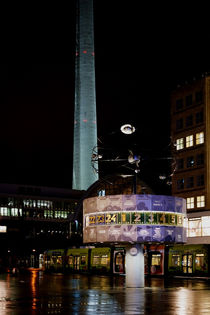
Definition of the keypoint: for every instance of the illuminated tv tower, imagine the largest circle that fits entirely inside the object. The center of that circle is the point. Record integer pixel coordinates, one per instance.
(85, 123)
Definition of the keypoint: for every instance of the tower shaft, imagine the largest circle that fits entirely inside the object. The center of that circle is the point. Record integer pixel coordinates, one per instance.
(85, 120)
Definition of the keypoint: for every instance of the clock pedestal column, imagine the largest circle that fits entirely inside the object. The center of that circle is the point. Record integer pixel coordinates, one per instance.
(135, 266)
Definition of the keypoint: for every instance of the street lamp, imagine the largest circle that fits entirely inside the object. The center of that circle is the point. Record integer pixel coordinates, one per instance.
(127, 129)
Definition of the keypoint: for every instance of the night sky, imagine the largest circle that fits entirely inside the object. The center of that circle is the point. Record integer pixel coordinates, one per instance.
(141, 53)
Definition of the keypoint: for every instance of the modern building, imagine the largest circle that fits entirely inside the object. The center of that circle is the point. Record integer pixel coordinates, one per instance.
(33, 219)
(85, 120)
(190, 132)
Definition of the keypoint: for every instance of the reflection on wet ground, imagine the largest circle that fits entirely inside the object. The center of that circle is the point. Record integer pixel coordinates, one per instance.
(38, 293)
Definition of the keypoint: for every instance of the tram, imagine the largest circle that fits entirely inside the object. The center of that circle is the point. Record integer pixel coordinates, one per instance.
(101, 260)
(159, 260)
(189, 260)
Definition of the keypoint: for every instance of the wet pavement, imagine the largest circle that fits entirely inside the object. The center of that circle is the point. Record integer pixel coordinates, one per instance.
(38, 293)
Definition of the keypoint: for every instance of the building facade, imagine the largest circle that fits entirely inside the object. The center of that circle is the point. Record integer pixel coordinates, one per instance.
(33, 219)
(190, 132)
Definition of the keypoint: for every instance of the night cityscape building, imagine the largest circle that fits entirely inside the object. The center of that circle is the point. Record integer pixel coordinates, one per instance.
(190, 132)
(34, 218)
(108, 258)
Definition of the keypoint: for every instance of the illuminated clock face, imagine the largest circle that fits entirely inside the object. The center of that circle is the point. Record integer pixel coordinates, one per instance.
(133, 251)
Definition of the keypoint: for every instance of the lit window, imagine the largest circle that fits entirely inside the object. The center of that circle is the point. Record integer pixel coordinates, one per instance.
(190, 203)
(4, 211)
(194, 227)
(200, 201)
(101, 193)
(10, 202)
(96, 260)
(175, 260)
(44, 204)
(199, 137)
(14, 212)
(48, 213)
(205, 225)
(105, 260)
(180, 143)
(71, 260)
(156, 260)
(189, 141)
(64, 214)
(3, 228)
(57, 214)
(199, 261)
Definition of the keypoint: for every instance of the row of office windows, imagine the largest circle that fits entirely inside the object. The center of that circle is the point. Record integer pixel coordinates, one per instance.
(189, 120)
(198, 226)
(199, 201)
(39, 204)
(189, 100)
(189, 141)
(190, 182)
(190, 161)
(17, 212)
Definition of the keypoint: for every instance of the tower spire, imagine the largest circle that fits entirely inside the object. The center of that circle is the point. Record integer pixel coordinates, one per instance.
(85, 120)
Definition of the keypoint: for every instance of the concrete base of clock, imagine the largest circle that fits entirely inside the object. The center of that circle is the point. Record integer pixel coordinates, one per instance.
(134, 266)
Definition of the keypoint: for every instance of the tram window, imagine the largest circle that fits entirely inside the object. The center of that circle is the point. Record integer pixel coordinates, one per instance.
(70, 260)
(119, 262)
(104, 260)
(76, 262)
(189, 264)
(59, 260)
(156, 260)
(199, 261)
(175, 260)
(46, 260)
(119, 259)
(83, 260)
(96, 260)
(54, 258)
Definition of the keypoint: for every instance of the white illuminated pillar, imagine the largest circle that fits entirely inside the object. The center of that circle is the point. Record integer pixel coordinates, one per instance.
(134, 266)
(85, 122)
